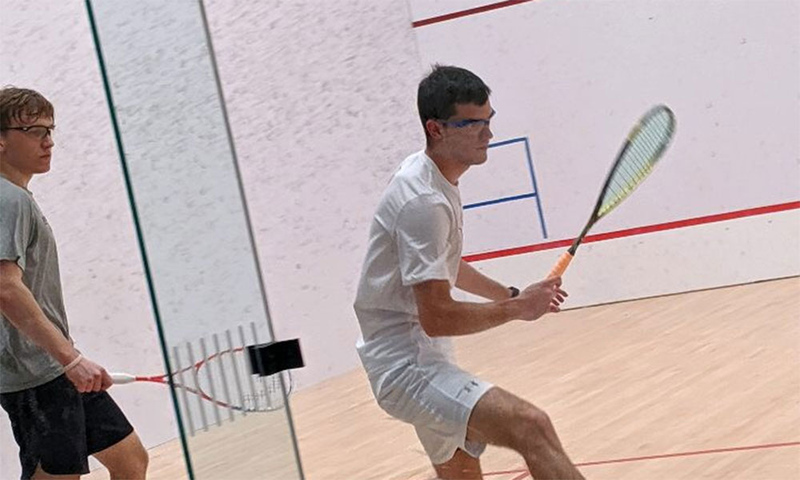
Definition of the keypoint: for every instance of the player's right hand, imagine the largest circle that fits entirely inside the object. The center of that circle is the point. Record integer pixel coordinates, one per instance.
(88, 376)
(541, 297)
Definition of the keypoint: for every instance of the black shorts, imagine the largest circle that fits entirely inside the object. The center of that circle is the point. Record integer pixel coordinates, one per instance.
(58, 427)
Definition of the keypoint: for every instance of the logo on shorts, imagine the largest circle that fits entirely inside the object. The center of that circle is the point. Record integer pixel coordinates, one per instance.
(467, 388)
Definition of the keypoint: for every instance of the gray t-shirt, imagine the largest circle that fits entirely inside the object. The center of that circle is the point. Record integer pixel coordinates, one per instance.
(26, 238)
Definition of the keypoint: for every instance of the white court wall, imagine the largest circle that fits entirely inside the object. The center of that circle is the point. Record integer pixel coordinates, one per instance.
(704, 256)
(321, 97)
(573, 76)
(321, 100)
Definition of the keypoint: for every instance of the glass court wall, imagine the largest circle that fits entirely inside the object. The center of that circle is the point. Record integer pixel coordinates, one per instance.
(183, 182)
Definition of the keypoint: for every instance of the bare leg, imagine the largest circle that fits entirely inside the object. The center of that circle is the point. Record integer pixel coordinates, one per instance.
(461, 467)
(126, 460)
(501, 418)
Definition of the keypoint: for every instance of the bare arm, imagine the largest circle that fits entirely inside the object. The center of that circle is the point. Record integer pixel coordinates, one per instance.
(472, 281)
(20, 308)
(441, 315)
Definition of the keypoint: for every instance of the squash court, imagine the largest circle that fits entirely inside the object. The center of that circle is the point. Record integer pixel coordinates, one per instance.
(696, 385)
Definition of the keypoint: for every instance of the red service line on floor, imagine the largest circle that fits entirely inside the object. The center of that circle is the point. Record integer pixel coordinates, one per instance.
(524, 472)
(720, 217)
(466, 13)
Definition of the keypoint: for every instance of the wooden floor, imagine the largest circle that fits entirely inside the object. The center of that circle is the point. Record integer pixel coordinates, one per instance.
(697, 385)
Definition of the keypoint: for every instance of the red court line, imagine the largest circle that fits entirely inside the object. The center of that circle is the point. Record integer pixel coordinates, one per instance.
(524, 473)
(719, 217)
(466, 13)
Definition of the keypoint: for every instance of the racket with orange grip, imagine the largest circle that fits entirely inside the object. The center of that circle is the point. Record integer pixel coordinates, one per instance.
(641, 151)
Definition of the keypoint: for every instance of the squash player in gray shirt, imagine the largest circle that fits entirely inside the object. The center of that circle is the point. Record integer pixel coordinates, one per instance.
(54, 396)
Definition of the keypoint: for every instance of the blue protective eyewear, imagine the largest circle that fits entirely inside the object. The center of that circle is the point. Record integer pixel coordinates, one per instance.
(469, 122)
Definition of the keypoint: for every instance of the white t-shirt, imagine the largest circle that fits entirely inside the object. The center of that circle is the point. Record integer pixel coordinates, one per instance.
(416, 235)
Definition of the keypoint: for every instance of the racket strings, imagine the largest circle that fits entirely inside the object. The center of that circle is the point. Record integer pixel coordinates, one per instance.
(242, 391)
(639, 157)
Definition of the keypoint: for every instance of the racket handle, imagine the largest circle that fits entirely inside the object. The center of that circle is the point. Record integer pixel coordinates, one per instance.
(561, 265)
(122, 378)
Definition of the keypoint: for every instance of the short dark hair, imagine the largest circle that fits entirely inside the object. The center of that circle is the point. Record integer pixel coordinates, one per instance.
(446, 86)
(22, 105)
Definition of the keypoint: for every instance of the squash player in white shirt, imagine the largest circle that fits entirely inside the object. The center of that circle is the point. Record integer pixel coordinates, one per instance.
(406, 311)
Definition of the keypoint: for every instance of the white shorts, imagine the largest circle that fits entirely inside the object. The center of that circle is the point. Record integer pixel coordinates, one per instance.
(438, 400)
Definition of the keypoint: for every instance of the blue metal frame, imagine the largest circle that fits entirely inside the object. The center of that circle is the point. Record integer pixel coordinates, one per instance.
(533, 194)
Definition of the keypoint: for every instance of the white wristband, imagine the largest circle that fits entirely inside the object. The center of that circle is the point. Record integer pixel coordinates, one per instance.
(73, 363)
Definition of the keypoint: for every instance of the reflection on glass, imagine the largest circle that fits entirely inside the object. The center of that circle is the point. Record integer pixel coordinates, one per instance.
(193, 227)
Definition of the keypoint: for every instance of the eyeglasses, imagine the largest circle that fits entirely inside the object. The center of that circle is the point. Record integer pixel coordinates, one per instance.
(469, 123)
(37, 131)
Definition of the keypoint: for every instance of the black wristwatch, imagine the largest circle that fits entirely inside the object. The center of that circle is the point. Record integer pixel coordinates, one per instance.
(514, 291)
